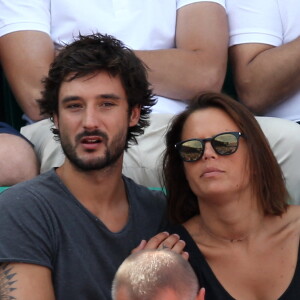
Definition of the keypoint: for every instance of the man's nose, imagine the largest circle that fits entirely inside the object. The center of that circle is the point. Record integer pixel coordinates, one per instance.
(90, 118)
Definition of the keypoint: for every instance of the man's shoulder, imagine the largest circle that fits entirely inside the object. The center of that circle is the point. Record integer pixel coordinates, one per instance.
(30, 188)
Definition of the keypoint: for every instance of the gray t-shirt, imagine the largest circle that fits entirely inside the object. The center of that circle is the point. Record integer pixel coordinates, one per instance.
(42, 223)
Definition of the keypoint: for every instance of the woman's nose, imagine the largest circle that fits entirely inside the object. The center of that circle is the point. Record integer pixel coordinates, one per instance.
(209, 151)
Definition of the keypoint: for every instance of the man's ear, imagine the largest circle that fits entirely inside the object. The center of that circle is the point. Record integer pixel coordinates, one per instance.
(134, 116)
(201, 294)
(55, 120)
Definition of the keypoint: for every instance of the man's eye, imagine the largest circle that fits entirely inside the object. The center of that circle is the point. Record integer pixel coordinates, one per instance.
(73, 106)
(107, 104)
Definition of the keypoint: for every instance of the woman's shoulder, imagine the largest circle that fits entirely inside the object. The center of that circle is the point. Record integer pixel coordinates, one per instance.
(286, 224)
(192, 224)
(292, 216)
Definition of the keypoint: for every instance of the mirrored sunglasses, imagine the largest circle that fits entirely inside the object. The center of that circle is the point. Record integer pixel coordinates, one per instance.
(224, 143)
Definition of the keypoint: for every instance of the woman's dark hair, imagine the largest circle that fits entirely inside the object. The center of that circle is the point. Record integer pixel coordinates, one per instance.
(94, 53)
(266, 177)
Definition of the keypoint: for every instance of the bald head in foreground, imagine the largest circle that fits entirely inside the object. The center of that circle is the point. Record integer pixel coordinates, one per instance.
(155, 275)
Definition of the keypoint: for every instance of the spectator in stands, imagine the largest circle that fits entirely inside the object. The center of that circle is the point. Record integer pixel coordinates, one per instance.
(156, 275)
(226, 188)
(265, 57)
(264, 49)
(18, 161)
(65, 231)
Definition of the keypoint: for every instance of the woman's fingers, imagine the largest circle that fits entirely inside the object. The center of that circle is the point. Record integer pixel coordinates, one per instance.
(178, 246)
(174, 244)
(172, 241)
(164, 240)
(141, 246)
(157, 241)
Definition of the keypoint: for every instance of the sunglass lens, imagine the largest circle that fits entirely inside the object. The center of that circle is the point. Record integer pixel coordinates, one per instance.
(225, 144)
(191, 150)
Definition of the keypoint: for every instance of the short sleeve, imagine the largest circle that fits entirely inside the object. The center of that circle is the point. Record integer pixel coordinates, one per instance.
(26, 229)
(18, 15)
(181, 3)
(254, 21)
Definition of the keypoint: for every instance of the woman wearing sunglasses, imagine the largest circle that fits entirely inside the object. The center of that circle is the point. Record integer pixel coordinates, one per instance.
(226, 189)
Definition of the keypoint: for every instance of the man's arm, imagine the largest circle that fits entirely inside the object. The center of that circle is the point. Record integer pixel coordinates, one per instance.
(265, 75)
(25, 57)
(198, 63)
(21, 281)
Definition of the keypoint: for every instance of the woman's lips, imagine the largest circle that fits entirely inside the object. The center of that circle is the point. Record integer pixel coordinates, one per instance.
(211, 172)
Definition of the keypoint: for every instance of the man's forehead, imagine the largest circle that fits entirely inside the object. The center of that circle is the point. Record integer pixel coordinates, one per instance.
(74, 75)
(101, 85)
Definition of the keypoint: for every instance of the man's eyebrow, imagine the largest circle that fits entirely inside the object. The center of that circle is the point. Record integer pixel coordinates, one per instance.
(108, 96)
(100, 96)
(70, 98)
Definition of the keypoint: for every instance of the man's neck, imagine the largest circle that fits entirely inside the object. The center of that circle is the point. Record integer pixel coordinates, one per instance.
(102, 192)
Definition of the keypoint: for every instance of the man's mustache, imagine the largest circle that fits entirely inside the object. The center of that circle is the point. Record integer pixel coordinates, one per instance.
(98, 133)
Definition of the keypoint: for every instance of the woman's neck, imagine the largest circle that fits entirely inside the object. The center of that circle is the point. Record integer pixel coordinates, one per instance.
(233, 222)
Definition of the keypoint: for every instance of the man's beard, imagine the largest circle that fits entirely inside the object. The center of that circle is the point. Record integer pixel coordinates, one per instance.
(110, 156)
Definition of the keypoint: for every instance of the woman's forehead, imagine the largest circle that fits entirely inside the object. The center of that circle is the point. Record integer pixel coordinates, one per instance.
(208, 122)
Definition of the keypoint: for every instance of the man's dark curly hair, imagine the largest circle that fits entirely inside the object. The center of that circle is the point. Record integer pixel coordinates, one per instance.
(91, 54)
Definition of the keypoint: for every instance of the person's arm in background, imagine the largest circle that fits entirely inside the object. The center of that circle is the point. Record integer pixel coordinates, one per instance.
(197, 64)
(21, 281)
(25, 57)
(266, 75)
(266, 72)
(199, 61)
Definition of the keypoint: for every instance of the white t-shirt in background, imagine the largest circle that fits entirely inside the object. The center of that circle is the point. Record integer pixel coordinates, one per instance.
(140, 24)
(272, 22)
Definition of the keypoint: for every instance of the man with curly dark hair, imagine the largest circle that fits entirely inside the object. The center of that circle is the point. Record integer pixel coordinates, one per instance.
(64, 233)
(89, 55)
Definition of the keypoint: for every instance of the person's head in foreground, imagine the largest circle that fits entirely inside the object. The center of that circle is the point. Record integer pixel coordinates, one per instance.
(216, 149)
(156, 275)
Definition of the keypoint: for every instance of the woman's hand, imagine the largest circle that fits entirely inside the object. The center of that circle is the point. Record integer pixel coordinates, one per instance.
(164, 240)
